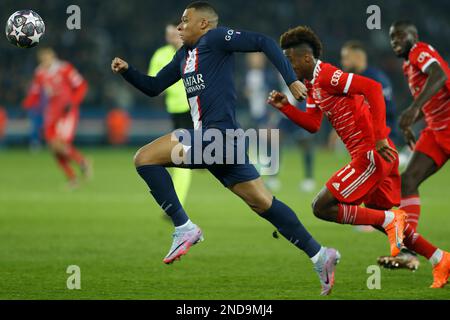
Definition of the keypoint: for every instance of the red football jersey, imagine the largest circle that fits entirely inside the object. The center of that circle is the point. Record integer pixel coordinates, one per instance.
(330, 93)
(61, 84)
(437, 109)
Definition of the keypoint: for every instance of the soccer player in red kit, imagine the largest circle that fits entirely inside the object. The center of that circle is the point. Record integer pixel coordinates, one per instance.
(428, 76)
(62, 89)
(355, 107)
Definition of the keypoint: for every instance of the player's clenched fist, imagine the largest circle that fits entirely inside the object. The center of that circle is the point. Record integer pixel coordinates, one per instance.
(298, 90)
(277, 99)
(118, 65)
(410, 138)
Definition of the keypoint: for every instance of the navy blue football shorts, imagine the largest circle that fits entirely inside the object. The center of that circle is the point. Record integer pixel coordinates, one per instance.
(222, 153)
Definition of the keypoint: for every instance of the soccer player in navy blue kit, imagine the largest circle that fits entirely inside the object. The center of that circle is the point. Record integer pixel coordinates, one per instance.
(205, 63)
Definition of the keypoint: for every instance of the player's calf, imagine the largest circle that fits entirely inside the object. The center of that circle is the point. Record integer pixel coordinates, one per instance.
(324, 207)
(409, 184)
(325, 213)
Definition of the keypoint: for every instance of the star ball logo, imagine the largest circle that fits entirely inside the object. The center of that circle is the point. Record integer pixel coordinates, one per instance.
(25, 28)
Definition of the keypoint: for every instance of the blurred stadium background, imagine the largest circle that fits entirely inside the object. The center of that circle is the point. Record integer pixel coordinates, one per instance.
(135, 29)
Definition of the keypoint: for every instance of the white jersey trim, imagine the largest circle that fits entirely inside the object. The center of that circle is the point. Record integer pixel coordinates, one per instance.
(348, 83)
(428, 63)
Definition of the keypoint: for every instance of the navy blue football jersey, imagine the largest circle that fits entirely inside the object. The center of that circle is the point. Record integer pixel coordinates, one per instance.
(207, 70)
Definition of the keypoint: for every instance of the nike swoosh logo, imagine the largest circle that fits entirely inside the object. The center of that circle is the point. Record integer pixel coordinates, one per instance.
(177, 247)
(328, 280)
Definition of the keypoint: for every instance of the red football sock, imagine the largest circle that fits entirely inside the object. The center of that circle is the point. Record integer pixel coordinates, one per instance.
(411, 205)
(350, 214)
(417, 243)
(64, 163)
(75, 155)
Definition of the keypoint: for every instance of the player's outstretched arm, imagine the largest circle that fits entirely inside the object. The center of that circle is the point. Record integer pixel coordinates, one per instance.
(435, 81)
(151, 86)
(349, 83)
(310, 120)
(119, 65)
(373, 91)
(246, 41)
(79, 93)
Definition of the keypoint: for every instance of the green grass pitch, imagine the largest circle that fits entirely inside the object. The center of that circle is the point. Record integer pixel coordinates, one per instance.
(113, 230)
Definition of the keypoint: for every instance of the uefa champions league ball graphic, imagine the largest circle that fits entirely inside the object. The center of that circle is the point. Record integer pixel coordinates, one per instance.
(24, 29)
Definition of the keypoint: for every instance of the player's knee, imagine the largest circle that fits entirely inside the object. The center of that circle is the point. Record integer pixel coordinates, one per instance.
(142, 158)
(137, 159)
(318, 209)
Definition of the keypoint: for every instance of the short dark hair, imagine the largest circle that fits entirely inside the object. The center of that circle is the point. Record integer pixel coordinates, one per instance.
(407, 24)
(355, 45)
(202, 5)
(403, 23)
(299, 36)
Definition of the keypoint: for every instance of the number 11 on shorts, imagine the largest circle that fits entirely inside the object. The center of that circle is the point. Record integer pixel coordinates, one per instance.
(348, 175)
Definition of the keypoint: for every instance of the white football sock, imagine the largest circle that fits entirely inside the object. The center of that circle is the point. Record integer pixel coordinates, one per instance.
(185, 227)
(388, 217)
(436, 257)
(317, 255)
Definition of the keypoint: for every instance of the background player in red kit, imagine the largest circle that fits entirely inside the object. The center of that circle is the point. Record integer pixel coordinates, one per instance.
(355, 107)
(63, 89)
(428, 77)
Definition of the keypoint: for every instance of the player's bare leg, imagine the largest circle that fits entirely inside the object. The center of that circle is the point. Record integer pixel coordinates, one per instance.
(327, 207)
(260, 200)
(405, 259)
(63, 160)
(65, 153)
(419, 169)
(150, 162)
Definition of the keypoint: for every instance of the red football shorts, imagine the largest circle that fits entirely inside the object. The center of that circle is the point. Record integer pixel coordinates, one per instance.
(434, 144)
(63, 127)
(368, 179)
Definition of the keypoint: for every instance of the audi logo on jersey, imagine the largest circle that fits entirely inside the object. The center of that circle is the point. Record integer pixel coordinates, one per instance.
(423, 55)
(335, 78)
